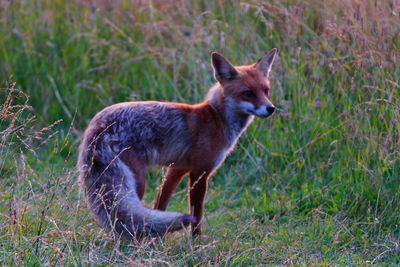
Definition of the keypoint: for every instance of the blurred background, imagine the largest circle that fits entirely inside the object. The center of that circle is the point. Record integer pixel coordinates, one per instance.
(315, 184)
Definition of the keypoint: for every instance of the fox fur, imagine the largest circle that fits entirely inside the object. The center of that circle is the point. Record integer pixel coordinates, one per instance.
(124, 140)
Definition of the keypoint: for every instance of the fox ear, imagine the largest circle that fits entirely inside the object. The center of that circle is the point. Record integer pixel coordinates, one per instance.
(264, 64)
(223, 69)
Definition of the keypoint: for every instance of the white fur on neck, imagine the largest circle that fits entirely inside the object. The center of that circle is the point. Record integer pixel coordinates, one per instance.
(214, 95)
(236, 120)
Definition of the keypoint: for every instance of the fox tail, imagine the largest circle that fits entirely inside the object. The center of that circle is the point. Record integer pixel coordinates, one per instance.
(111, 195)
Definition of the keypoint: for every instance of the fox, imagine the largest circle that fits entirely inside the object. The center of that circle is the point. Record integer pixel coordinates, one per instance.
(124, 140)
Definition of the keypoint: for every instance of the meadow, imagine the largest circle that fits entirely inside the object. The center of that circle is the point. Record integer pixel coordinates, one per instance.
(316, 184)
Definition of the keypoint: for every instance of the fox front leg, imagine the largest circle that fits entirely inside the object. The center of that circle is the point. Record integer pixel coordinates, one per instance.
(198, 185)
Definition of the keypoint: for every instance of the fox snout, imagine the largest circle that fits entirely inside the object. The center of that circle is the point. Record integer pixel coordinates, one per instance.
(263, 111)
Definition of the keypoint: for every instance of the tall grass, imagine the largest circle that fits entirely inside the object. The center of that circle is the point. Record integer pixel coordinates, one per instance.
(316, 184)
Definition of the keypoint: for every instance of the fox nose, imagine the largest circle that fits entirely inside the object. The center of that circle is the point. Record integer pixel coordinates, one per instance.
(270, 109)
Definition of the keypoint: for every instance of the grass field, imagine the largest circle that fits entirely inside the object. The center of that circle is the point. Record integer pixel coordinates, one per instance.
(317, 184)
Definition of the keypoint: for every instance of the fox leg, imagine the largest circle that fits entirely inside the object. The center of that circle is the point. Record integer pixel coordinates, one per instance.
(172, 179)
(138, 168)
(197, 190)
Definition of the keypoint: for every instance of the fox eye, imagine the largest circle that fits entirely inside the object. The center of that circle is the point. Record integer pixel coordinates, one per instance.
(248, 93)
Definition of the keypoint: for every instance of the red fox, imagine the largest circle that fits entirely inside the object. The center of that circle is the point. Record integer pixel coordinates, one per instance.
(123, 140)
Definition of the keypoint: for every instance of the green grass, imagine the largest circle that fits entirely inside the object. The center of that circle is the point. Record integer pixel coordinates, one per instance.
(317, 184)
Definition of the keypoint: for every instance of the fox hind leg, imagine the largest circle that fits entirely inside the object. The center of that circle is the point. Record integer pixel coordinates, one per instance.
(130, 158)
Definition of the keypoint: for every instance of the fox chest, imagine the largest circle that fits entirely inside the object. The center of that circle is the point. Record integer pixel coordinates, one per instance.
(219, 155)
(208, 156)
(220, 152)
(219, 158)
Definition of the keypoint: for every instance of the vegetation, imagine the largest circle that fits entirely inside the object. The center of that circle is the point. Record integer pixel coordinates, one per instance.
(315, 184)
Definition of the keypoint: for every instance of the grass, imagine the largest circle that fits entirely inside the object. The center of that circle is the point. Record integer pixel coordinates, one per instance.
(317, 184)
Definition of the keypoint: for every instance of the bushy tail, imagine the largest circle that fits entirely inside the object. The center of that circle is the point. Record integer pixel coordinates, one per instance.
(114, 203)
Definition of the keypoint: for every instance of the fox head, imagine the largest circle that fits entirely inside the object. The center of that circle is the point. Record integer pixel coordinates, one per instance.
(246, 87)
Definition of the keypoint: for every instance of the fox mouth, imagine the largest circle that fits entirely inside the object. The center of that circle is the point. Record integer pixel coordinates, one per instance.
(264, 116)
(252, 112)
